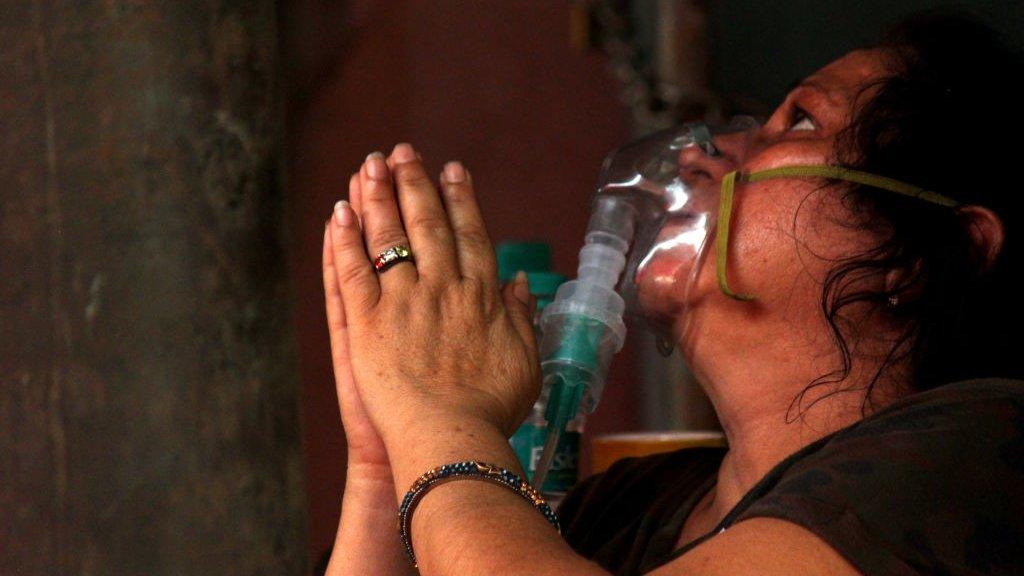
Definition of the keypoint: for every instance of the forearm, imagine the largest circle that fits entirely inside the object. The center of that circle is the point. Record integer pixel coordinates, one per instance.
(475, 527)
(367, 541)
(472, 526)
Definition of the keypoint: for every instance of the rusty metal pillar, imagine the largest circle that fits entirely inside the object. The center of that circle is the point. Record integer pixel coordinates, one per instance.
(148, 383)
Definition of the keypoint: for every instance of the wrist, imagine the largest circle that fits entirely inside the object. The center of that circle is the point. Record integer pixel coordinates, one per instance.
(368, 472)
(430, 441)
(366, 541)
(369, 488)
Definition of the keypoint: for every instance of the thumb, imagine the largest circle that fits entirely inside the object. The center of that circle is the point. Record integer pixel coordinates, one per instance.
(520, 305)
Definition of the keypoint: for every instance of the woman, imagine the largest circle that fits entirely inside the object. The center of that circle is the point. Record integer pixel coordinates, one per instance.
(861, 437)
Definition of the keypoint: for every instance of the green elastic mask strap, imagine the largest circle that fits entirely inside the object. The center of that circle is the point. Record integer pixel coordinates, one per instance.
(834, 172)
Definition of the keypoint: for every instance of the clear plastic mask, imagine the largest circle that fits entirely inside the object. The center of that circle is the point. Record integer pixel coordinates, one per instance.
(678, 186)
(672, 181)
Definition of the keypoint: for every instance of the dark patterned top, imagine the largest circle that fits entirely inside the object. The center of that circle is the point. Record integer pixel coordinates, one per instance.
(932, 484)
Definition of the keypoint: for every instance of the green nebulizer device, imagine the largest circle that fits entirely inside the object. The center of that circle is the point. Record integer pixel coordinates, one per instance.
(534, 258)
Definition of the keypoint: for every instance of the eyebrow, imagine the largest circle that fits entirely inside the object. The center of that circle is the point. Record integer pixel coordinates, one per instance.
(805, 83)
(821, 90)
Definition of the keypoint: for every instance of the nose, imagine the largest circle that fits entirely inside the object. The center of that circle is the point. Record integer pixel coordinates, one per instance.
(696, 166)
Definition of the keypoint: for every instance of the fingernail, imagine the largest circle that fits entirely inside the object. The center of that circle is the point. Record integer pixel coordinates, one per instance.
(375, 166)
(522, 287)
(454, 172)
(403, 153)
(343, 213)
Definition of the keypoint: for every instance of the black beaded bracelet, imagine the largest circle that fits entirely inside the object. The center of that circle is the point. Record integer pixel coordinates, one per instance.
(472, 470)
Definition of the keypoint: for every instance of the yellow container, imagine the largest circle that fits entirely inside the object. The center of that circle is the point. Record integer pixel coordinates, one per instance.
(608, 448)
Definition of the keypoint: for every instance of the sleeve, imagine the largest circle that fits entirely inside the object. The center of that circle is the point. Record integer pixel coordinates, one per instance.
(931, 486)
(597, 508)
(573, 503)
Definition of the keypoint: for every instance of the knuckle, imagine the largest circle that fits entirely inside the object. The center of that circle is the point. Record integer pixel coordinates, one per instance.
(489, 268)
(343, 249)
(474, 236)
(375, 205)
(387, 238)
(474, 287)
(482, 295)
(377, 198)
(352, 273)
(460, 193)
(430, 223)
(413, 178)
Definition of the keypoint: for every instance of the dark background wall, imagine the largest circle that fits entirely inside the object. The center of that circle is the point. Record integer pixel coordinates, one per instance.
(758, 48)
(148, 383)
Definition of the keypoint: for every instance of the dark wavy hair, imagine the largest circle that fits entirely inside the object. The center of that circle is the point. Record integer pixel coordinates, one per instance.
(946, 118)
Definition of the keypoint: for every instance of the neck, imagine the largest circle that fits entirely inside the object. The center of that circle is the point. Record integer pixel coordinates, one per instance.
(757, 446)
(764, 428)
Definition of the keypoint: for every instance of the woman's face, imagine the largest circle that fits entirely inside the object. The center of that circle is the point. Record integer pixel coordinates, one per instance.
(784, 231)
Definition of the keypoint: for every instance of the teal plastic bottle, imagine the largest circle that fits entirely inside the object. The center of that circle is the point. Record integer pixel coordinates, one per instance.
(534, 258)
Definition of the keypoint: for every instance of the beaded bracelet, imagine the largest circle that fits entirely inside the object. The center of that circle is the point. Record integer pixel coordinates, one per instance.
(473, 470)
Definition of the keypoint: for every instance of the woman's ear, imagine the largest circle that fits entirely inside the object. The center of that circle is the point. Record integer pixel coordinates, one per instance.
(987, 233)
(899, 281)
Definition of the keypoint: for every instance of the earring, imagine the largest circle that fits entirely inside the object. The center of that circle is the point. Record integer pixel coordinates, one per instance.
(894, 301)
(664, 346)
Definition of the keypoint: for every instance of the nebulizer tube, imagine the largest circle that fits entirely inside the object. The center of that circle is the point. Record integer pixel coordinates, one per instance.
(655, 206)
(583, 328)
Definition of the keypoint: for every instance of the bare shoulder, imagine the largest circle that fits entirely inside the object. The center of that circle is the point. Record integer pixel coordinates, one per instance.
(761, 546)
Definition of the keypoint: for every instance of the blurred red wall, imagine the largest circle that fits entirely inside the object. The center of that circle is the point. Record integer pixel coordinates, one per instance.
(494, 83)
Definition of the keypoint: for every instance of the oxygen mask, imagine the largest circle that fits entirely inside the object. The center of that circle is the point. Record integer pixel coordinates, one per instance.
(670, 182)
